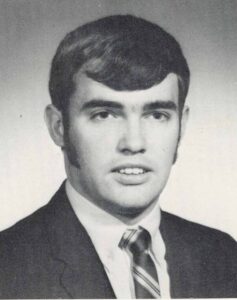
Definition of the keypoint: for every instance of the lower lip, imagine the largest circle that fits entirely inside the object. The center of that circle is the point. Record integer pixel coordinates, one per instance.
(132, 179)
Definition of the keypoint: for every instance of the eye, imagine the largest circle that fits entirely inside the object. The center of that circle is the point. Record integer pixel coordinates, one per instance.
(160, 116)
(102, 115)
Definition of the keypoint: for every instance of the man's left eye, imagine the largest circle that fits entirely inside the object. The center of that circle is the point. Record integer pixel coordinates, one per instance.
(161, 116)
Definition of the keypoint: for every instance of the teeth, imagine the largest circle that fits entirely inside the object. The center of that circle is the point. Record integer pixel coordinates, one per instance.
(131, 171)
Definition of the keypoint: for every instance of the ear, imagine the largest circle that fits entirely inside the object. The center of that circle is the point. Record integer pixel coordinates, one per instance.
(184, 120)
(54, 121)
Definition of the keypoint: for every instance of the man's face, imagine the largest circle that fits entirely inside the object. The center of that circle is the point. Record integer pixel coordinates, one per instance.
(120, 145)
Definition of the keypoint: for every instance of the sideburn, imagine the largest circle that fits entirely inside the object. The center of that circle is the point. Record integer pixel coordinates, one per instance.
(68, 147)
(179, 138)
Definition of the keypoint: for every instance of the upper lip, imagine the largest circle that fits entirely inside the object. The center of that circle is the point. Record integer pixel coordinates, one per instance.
(130, 165)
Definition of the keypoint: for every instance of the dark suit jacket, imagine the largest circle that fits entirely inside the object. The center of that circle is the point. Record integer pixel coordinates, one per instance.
(50, 255)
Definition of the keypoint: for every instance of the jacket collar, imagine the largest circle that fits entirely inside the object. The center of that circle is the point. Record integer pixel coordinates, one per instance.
(83, 274)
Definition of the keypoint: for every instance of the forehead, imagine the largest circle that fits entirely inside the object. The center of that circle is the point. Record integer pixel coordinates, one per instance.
(88, 89)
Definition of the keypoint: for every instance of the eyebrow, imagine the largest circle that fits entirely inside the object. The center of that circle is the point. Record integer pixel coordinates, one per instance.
(101, 103)
(158, 104)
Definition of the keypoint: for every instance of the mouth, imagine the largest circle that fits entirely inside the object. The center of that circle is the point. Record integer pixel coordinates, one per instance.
(131, 170)
(131, 174)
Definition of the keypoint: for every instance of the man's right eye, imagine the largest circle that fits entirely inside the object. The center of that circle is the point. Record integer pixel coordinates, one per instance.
(101, 115)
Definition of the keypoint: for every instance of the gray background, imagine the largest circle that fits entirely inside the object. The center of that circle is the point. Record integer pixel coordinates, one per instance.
(203, 185)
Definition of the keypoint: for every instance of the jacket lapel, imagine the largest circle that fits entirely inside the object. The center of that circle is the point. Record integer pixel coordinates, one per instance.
(83, 274)
(179, 257)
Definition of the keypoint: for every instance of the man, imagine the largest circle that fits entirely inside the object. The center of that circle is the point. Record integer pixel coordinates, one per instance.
(118, 87)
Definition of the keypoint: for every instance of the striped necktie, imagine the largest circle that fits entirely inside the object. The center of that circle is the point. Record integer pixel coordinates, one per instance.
(137, 244)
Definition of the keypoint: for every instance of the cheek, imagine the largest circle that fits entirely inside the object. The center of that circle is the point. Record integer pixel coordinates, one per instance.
(91, 151)
(164, 142)
(99, 142)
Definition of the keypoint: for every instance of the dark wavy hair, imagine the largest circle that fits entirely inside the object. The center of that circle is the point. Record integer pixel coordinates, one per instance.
(123, 52)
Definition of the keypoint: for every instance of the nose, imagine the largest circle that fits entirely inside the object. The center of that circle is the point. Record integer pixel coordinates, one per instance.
(132, 140)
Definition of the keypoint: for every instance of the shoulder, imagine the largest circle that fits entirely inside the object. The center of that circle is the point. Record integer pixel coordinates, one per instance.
(25, 236)
(29, 236)
(186, 227)
(24, 252)
(27, 264)
(201, 239)
(34, 226)
(202, 258)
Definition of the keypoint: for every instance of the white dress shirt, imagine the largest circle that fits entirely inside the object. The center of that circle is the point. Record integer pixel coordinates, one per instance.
(106, 232)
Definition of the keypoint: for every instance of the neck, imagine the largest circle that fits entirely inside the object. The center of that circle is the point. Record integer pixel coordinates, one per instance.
(137, 216)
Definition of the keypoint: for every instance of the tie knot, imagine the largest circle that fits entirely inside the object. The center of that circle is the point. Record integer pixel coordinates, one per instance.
(137, 241)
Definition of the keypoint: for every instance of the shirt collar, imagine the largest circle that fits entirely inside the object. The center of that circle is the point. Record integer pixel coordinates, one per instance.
(104, 229)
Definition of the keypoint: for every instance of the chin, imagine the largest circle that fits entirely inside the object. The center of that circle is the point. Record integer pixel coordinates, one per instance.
(131, 213)
(131, 205)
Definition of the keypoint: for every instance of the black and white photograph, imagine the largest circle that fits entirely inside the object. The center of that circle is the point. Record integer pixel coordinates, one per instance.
(118, 149)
